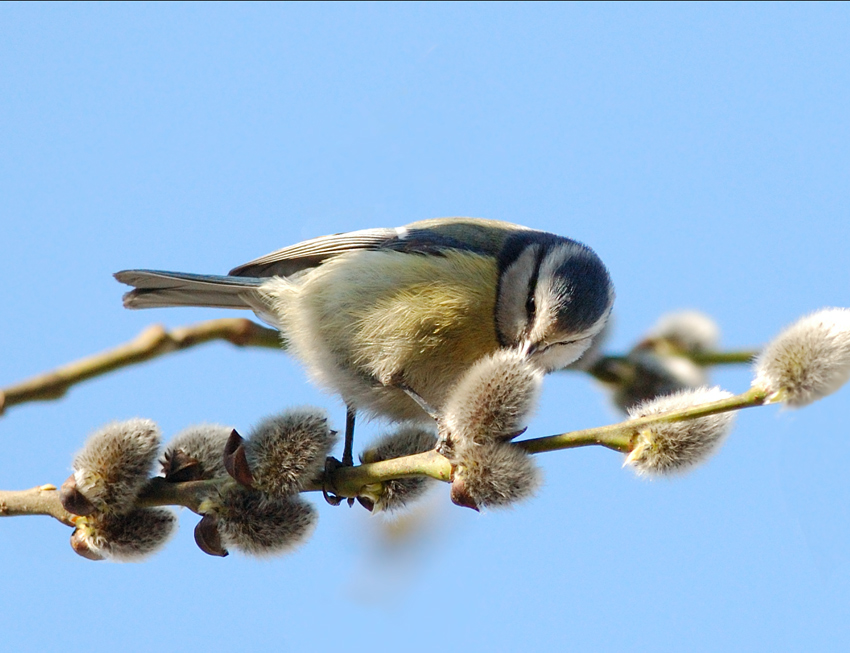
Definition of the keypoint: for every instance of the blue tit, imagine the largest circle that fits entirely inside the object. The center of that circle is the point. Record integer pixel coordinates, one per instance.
(378, 313)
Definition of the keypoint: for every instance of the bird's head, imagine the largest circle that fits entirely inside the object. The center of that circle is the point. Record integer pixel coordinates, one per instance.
(554, 296)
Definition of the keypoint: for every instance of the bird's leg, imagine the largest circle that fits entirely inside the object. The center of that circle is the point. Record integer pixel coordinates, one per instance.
(332, 463)
(424, 405)
(348, 448)
(444, 445)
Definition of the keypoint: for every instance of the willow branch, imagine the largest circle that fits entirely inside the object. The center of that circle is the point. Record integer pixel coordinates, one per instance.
(615, 369)
(41, 500)
(620, 437)
(707, 358)
(152, 342)
(350, 481)
(189, 494)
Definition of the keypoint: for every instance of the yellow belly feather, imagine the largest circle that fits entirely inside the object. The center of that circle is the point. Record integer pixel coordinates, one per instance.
(417, 318)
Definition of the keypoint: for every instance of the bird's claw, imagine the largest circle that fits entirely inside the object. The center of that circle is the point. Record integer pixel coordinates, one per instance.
(331, 464)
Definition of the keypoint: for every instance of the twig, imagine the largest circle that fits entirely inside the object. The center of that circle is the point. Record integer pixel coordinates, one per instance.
(349, 481)
(706, 358)
(619, 437)
(616, 369)
(152, 342)
(41, 500)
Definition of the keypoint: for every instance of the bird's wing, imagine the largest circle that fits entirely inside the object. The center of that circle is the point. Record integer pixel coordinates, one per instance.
(427, 236)
(309, 253)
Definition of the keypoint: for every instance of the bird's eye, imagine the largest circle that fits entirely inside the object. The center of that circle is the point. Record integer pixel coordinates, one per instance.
(543, 346)
(530, 306)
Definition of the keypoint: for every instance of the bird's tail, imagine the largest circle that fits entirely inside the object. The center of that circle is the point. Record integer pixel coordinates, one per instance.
(157, 289)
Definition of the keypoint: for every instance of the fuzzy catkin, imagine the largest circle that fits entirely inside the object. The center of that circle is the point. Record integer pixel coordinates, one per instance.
(808, 360)
(656, 375)
(670, 447)
(115, 464)
(688, 331)
(494, 475)
(493, 400)
(287, 451)
(261, 525)
(200, 446)
(124, 538)
(406, 441)
(488, 407)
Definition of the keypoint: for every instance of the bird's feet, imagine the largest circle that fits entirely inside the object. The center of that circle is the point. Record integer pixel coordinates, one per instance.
(332, 464)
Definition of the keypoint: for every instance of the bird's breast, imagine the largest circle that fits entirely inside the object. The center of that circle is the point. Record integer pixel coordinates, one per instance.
(390, 316)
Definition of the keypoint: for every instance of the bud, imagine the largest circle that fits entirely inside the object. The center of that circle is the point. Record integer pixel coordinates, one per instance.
(654, 375)
(113, 467)
(258, 524)
(493, 400)
(286, 452)
(808, 360)
(669, 447)
(488, 407)
(123, 538)
(208, 538)
(686, 331)
(493, 474)
(392, 495)
(196, 454)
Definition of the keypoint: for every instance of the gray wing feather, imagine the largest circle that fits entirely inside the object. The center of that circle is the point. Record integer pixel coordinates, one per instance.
(309, 253)
(416, 240)
(158, 289)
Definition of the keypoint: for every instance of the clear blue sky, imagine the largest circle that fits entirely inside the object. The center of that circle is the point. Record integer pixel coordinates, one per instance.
(702, 150)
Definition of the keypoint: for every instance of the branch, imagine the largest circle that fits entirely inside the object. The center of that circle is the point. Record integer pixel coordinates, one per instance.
(150, 343)
(350, 481)
(620, 437)
(41, 500)
(615, 369)
(706, 358)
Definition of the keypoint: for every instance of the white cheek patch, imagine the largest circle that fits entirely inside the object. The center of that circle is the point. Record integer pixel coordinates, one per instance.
(548, 295)
(511, 314)
(556, 357)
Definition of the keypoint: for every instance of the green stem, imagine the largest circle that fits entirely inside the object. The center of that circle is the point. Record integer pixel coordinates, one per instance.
(615, 370)
(723, 357)
(349, 481)
(189, 494)
(619, 437)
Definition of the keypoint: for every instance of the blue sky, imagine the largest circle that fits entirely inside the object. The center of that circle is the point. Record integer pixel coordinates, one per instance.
(701, 150)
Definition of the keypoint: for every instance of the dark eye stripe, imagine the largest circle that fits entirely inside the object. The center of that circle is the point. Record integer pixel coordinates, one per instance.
(530, 303)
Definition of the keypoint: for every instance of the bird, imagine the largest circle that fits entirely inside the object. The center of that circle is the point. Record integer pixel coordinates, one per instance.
(390, 318)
